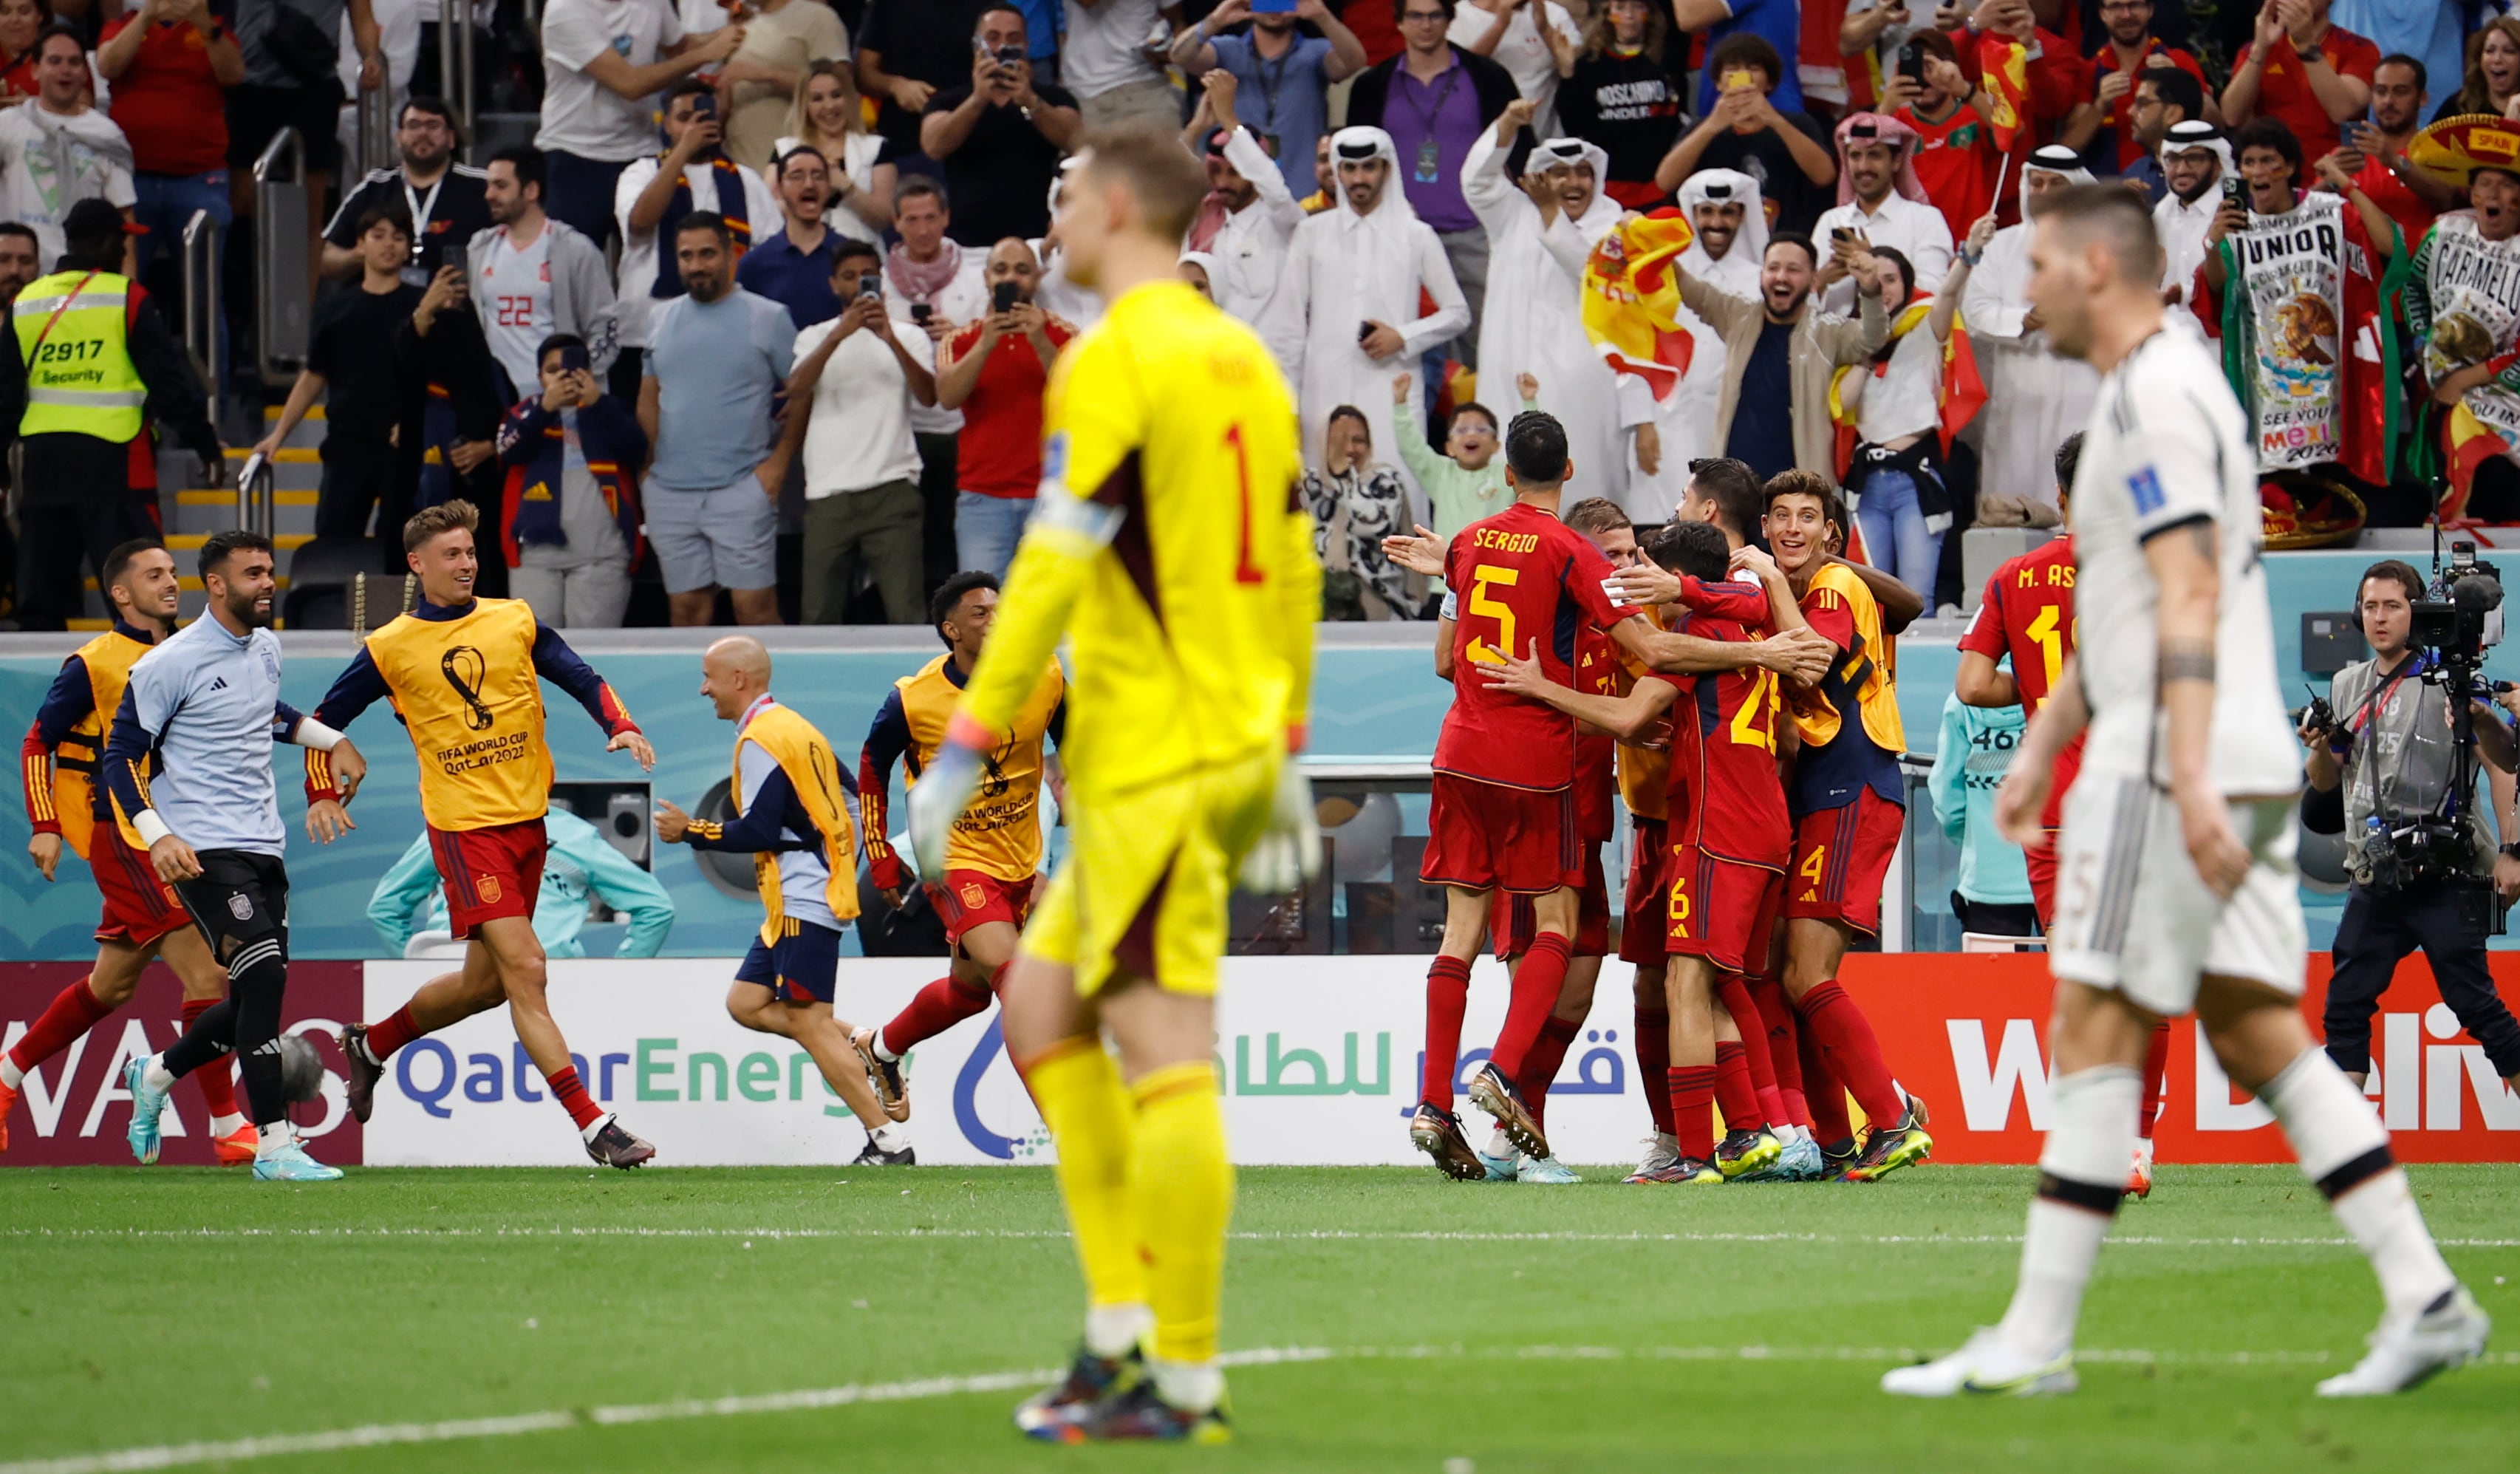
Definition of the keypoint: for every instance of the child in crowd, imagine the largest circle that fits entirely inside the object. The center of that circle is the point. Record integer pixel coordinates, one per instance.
(1466, 482)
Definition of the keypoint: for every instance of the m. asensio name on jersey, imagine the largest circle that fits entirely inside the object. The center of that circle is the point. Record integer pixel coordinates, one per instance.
(485, 754)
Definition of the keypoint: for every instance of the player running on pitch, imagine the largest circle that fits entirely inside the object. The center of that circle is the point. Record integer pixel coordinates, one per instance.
(2177, 855)
(1171, 546)
(791, 804)
(463, 674)
(990, 864)
(2027, 615)
(65, 804)
(188, 764)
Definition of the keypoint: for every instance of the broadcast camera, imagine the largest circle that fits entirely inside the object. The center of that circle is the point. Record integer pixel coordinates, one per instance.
(2453, 628)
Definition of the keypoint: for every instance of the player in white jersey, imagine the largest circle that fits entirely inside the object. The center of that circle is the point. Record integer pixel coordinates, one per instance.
(2183, 816)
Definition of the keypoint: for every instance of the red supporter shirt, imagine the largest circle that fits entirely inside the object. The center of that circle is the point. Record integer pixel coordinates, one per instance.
(2394, 200)
(1597, 672)
(167, 102)
(999, 453)
(1724, 796)
(1522, 577)
(2283, 92)
(1955, 163)
(2028, 613)
(2122, 111)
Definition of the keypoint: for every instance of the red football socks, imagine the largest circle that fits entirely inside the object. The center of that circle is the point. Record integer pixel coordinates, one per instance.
(218, 1084)
(1540, 1066)
(938, 1007)
(1854, 1054)
(1535, 997)
(1692, 1113)
(392, 1034)
(1784, 1047)
(573, 1099)
(72, 1012)
(1734, 1095)
(1824, 1094)
(2156, 1062)
(1734, 991)
(1653, 1065)
(1448, 998)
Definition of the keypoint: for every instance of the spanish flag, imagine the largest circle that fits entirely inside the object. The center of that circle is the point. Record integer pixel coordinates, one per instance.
(2004, 70)
(1631, 299)
(2468, 443)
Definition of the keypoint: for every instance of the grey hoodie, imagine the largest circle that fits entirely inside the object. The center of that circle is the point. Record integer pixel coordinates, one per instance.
(582, 298)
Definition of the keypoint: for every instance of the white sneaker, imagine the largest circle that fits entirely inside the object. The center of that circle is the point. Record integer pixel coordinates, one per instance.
(2452, 1333)
(1986, 1364)
(1662, 1151)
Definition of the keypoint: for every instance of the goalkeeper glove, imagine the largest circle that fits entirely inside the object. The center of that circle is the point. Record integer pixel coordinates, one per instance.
(943, 790)
(1288, 853)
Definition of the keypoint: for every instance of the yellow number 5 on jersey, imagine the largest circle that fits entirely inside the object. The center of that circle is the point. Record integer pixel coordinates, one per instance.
(1485, 574)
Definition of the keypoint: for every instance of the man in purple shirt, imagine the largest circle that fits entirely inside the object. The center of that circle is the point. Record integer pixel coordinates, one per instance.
(1434, 99)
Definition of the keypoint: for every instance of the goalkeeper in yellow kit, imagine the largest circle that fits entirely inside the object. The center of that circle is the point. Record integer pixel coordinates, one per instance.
(1170, 545)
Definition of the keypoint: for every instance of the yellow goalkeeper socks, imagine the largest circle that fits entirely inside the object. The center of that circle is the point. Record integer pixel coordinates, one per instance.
(1185, 1195)
(1086, 1109)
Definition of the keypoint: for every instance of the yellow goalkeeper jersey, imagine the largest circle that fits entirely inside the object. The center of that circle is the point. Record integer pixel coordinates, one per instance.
(1170, 543)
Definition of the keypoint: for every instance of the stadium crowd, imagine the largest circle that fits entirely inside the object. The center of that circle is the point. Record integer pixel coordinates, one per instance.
(767, 304)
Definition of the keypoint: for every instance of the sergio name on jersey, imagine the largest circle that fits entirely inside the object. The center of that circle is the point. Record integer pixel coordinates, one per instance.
(1522, 576)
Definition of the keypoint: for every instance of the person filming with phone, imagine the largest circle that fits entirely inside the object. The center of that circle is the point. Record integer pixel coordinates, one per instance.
(570, 451)
(994, 371)
(2384, 766)
(693, 174)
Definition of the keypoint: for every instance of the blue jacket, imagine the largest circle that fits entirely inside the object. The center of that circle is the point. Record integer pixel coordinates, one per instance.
(532, 447)
(1971, 760)
(581, 862)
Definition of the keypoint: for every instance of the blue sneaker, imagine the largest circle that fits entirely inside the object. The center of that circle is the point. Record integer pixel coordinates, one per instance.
(1499, 1169)
(290, 1163)
(1546, 1171)
(147, 1106)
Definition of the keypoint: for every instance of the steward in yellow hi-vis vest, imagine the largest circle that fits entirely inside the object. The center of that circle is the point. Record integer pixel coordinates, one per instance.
(67, 740)
(792, 805)
(87, 365)
(466, 683)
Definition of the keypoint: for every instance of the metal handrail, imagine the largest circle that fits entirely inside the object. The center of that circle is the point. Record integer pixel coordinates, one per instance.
(376, 148)
(201, 308)
(455, 63)
(284, 145)
(257, 499)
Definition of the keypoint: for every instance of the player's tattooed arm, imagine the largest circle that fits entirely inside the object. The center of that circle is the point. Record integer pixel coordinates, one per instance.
(2187, 659)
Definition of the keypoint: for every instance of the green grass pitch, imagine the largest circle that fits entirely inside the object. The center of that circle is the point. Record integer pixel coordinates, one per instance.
(1416, 1324)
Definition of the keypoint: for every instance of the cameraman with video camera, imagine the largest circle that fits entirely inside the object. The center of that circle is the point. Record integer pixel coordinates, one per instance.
(2385, 767)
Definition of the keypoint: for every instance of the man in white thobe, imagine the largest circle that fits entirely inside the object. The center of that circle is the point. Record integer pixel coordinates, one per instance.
(1344, 320)
(1534, 319)
(1260, 218)
(1880, 199)
(2034, 398)
(2195, 158)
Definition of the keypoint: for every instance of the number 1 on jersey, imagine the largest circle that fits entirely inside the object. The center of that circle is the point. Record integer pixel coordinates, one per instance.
(1245, 571)
(2046, 629)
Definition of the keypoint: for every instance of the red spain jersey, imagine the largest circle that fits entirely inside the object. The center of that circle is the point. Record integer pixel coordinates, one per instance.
(1724, 796)
(2027, 615)
(1597, 673)
(1524, 578)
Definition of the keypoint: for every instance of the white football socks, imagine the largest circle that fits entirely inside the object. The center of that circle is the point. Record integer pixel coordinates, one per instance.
(11, 1077)
(277, 1137)
(2345, 1149)
(2082, 1170)
(1191, 1386)
(882, 1052)
(155, 1075)
(1111, 1331)
(227, 1126)
(890, 1135)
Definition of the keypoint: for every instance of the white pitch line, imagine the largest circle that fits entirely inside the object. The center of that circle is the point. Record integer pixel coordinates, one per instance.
(1256, 1235)
(380, 1434)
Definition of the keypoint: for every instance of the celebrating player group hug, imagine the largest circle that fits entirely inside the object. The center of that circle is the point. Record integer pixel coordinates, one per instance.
(1740, 702)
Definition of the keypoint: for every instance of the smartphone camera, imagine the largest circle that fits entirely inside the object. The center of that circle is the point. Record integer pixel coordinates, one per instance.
(920, 312)
(705, 107)
(2235, 191)
(1841, 232)
(573, 359)
(1911, 63)
(1010, 56)
(871, 286)
(1002, 297)
(1364, 330)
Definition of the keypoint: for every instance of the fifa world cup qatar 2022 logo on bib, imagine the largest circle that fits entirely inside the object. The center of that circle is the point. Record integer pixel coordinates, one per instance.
(465, 670)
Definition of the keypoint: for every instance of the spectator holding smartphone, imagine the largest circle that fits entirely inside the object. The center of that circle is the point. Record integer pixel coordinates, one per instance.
(994, 371)
(1786, 151)
(1000, 137)
(571, 453)
(2374, 152)
(602, 61)
(653, 197)
(859, 377)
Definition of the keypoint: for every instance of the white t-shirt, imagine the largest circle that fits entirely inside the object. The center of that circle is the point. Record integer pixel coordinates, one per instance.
(515, 297)
(49, 163)
(581, 116)
(2168, 445)
(859, 435)
(638, 271)
(1105, 45)
(1903, 399)
(1523, 53)
(965, 299)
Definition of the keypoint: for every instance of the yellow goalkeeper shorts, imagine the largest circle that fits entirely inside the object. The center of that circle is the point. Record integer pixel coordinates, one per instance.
(1144, 888)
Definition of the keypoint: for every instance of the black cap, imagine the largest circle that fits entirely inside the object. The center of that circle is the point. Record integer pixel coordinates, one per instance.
(94, 220)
